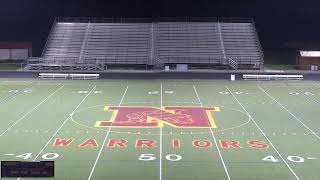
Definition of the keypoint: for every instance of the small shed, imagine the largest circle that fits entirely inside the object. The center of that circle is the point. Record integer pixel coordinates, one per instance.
(308, 60)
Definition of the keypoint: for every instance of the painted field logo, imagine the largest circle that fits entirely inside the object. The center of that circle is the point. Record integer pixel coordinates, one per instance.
(178, 117)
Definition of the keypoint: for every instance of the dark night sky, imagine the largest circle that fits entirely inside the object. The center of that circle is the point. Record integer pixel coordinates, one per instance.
(277, 21)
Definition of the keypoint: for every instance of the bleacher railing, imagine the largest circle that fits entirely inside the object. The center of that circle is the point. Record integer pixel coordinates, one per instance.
(51, 29)
(159, 19)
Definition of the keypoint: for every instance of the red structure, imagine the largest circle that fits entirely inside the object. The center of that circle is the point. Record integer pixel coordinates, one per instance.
(308, 60)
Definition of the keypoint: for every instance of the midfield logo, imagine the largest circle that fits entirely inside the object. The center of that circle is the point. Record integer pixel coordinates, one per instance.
(151, 117)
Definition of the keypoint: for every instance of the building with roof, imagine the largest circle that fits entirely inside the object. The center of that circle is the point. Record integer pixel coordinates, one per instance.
(13, 51)
(308, 59)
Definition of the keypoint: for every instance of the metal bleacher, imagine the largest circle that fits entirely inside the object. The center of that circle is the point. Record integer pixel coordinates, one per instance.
(188, 42)
(94, 44)
(118, 43)
(64, 43)
(241, 43)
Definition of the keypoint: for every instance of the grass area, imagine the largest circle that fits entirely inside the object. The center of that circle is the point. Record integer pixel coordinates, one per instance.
(165, 129)
(9, 66)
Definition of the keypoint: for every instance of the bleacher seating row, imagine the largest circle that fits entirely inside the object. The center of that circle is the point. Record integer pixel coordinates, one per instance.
(152, 43)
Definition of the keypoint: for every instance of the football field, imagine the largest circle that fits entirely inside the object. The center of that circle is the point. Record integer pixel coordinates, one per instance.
(163, 129)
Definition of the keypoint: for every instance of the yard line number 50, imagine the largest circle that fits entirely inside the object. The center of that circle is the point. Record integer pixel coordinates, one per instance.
(152, 157)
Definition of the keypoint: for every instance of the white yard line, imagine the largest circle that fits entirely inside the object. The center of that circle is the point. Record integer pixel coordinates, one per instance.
(214, 138)
(64, 122)
(303, 93)
(252, 119)
(29, 112)
(14, 94)
(286, 109)
(160, 144)
(105, 139)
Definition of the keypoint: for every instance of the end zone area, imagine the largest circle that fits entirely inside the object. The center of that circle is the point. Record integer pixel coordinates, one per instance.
(163, 129)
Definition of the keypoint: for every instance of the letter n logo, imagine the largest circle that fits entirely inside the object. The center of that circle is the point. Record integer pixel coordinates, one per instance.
(150, 117)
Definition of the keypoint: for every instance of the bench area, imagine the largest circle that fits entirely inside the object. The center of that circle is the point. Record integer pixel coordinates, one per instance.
(53, 76)
(84, 76)
(68, 76)
(272, 77)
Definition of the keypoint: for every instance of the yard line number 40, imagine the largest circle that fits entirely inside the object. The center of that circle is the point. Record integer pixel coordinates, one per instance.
(47, 156)
(295, 159)
(175, 157)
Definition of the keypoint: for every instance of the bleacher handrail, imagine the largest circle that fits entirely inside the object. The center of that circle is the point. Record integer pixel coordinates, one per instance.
(158, 19)
(51, 29)
(258, 41)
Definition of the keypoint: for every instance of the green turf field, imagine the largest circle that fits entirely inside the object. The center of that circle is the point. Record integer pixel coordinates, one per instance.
(164, 129)
(10, 66)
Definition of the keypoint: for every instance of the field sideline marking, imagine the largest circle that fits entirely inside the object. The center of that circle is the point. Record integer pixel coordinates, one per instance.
(264, 134)
(33, 109)
(160, 158)
(105, 139)
(64, 122)
(214, 137)
(295, 117)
